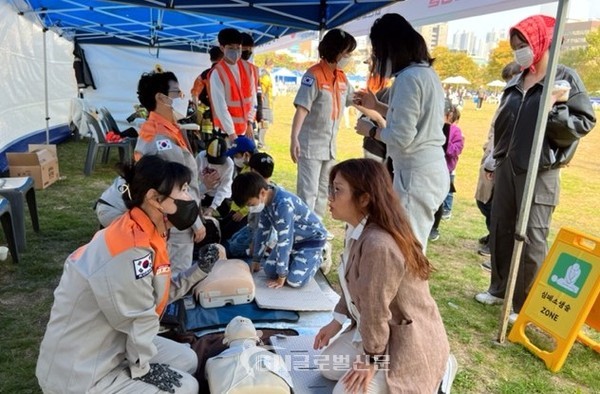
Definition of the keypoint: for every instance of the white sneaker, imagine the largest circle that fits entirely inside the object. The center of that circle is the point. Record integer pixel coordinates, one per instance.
(512, 318)
(327, 261)
(451, 368)
(488, 299)
(330, 236)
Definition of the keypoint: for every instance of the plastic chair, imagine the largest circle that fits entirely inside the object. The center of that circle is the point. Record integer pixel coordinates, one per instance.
(17, 191)
(8, 228)
(111, 124)
(109, 120)
(98, 141)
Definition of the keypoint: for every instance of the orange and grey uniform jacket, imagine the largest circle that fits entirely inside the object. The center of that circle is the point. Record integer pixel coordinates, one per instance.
(232, 92)
(324, 93)
(107, 306)
(161, 137)
(199, 85)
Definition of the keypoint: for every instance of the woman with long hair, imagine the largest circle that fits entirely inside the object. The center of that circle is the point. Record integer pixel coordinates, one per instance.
(397, 341)
(414, 119)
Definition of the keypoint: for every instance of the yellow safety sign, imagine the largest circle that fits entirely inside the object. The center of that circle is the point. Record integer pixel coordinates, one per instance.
(564, 297)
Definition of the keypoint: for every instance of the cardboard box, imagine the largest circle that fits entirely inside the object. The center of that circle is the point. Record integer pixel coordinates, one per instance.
(40, 163)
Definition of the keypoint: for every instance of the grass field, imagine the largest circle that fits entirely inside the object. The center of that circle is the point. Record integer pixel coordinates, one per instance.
(67, 221)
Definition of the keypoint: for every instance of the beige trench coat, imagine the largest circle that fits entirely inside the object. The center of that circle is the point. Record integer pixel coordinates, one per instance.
(397, 313)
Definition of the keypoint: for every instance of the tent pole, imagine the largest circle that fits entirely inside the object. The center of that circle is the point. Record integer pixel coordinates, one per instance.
(46, 88)
(534, 159)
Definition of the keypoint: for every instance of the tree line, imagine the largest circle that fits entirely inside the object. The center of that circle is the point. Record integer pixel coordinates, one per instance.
(450, 63)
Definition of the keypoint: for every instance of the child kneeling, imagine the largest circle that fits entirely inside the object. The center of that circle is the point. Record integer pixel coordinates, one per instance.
(300, 234)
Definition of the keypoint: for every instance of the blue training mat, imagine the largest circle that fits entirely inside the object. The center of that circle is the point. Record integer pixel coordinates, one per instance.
(199, 318)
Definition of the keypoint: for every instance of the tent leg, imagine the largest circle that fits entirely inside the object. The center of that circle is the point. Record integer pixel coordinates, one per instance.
(46, 87)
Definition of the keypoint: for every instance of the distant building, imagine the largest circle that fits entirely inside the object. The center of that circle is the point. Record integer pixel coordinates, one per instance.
(434, 35)
(575, 32)
(466, 41)
(491, 42)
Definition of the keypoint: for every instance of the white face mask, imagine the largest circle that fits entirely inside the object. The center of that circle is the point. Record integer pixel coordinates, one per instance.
(239, 162)
(180, 106)
(256, 208)
(233, 55)
(343, 62)
(524, 57)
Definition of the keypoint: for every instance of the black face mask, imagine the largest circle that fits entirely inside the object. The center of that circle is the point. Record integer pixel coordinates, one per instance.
(246, 54)
(186, 214)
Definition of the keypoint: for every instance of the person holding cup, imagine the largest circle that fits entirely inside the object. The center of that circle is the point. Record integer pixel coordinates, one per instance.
(570, 117)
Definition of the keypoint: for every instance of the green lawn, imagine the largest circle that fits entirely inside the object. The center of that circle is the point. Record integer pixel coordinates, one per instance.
(67, 221)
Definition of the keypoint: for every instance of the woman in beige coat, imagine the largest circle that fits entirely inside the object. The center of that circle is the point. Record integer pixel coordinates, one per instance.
(396, 342)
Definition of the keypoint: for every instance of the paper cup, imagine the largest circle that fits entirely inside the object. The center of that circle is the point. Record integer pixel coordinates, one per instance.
(563, 87)
(3, 253)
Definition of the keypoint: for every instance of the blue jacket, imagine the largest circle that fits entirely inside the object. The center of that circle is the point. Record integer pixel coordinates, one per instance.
(296, 227)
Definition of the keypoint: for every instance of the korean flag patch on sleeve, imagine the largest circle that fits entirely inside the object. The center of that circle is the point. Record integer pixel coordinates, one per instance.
(163, 145)
(308, 80)
(142, 266)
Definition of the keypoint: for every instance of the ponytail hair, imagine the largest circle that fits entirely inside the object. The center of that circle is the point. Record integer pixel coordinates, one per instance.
(150, 172)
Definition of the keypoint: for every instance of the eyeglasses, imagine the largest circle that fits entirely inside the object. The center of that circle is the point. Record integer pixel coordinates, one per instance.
(179, 92)
(332, 191)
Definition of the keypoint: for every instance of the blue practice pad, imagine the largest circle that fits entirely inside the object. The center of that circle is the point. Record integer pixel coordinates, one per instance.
(198, 318)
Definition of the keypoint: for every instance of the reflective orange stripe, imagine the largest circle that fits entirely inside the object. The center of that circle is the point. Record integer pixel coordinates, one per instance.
(158, 125)
(333, 81)
(135, 225)
(239, 100)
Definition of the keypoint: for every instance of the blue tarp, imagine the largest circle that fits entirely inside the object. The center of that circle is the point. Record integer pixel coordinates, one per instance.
(284, 75)
(190, 25)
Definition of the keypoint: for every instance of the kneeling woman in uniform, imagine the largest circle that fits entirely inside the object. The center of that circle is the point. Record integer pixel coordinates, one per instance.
(102, 333)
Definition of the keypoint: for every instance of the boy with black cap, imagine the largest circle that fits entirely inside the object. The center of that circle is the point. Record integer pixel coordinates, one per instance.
(240, 152)
(240, 245)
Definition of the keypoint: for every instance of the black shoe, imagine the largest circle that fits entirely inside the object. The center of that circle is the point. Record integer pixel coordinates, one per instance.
(434, 235)
(484, 251)
(487, 265)
(484, 240)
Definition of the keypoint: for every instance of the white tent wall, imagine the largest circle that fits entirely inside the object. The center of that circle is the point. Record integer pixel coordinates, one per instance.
(22, 103)
(117, 70)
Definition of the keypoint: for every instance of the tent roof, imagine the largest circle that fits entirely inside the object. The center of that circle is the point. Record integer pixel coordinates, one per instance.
(188, 24)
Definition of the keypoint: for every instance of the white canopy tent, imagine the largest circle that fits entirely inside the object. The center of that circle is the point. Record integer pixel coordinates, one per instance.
(496, 83)
(456, 80)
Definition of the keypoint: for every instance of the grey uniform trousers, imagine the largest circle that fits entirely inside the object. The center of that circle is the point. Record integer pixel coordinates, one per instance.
(313, 183)
(506, 204)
